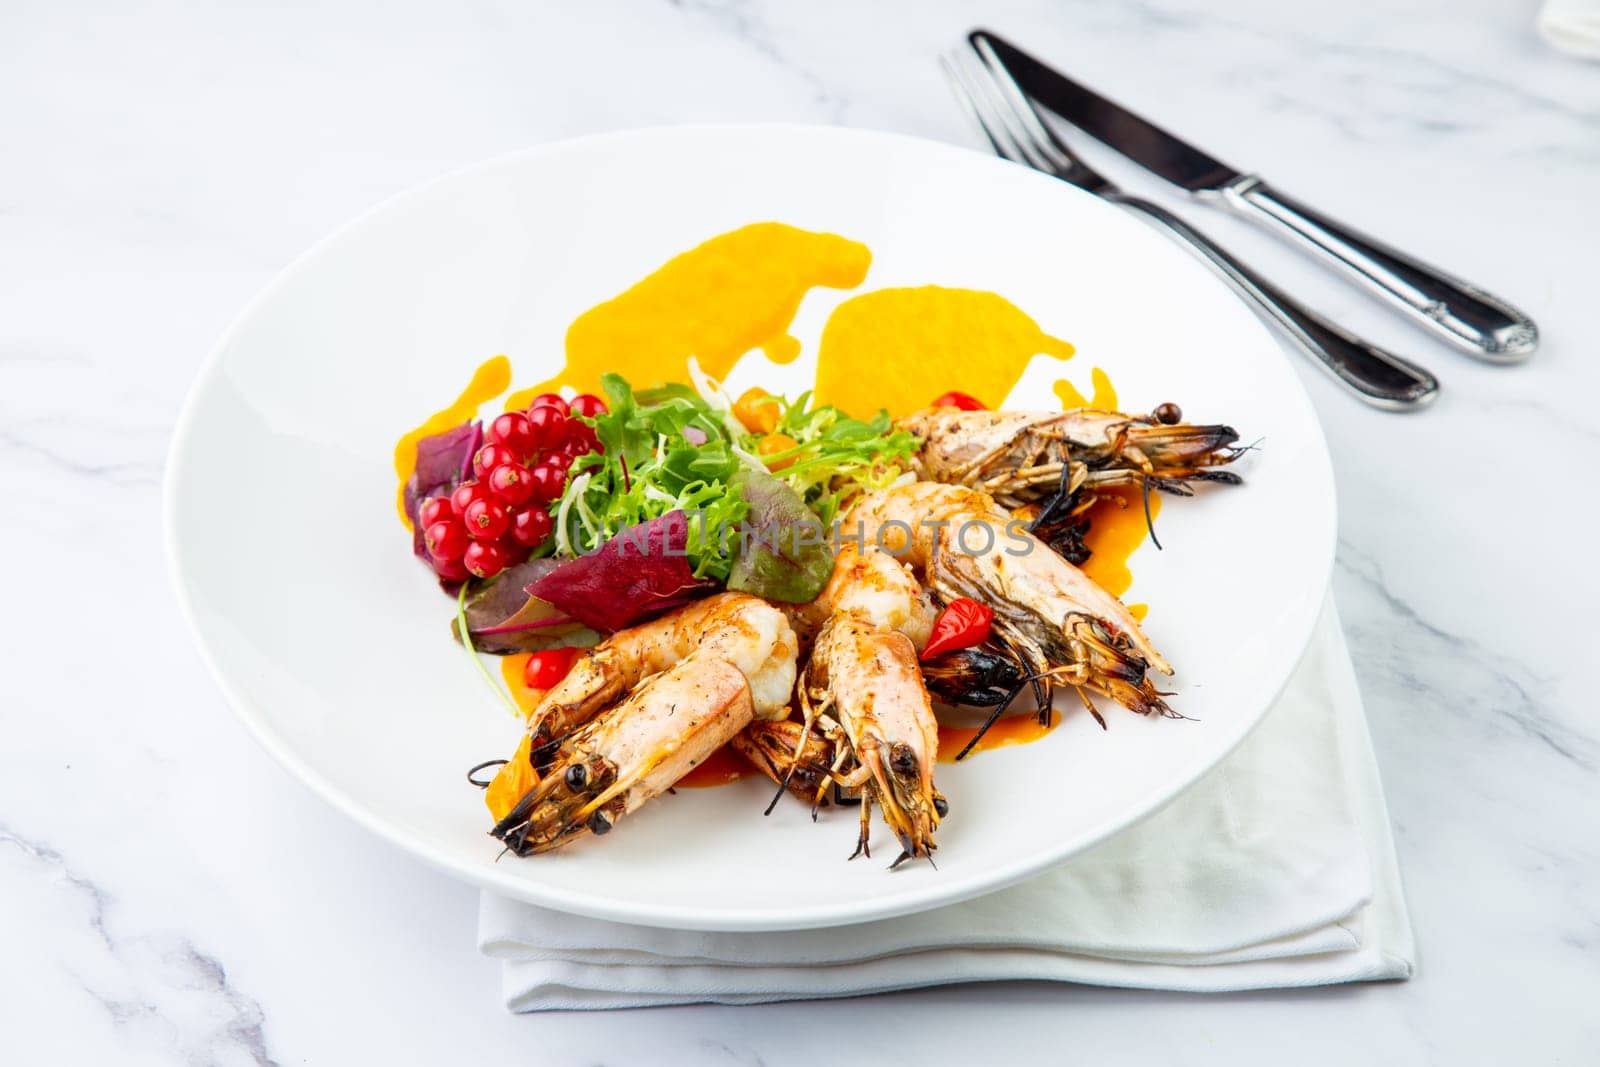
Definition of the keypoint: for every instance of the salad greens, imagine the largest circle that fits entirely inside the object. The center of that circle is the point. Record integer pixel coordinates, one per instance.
(835, 456)
(779, 565)
(675, 448)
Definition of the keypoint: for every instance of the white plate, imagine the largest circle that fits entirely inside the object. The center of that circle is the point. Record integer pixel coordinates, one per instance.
(330, 640)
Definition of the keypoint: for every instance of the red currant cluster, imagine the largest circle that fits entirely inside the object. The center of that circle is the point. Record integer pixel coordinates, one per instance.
(496, 520)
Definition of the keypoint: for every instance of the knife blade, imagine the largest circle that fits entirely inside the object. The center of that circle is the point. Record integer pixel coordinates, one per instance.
(1147, 144)
(1485, 326)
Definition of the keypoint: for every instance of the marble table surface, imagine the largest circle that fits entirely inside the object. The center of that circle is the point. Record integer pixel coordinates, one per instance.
(169, 895)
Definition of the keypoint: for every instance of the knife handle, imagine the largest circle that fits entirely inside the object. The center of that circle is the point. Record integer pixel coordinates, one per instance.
(1380, 378)
(1480, 323)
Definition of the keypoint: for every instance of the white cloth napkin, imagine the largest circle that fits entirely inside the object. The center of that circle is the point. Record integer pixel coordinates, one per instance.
(1572, 26)
(1278, 869)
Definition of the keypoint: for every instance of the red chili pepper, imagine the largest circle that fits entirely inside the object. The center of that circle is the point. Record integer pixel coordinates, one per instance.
(545, 669)
(960, 400)
(962, 624)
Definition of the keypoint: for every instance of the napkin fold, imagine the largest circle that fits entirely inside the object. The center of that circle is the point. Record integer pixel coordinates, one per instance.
(1277, 869)
(1572, 26)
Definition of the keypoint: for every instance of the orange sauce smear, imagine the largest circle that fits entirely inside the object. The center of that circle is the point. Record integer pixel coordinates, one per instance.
(720, 768)
(513, 671)
(736, 292)
(1016, 729)
(899, 348)
(491, 379)
(1104, 397)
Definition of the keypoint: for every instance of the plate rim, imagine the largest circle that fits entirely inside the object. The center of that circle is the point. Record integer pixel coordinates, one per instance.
(934, 894)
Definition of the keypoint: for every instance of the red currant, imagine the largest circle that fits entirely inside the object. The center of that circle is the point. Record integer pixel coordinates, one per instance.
(465, 494)
(582, 434)
(511, 484)
(547, 426)
(486, 558)
(434, 509)
(530, 526)
(451, 570)
(446, 539)
(548, 481)
(549, 400)
(486, 521)
(560, 462)
(512, 430)
(491, 456)
(588, 405)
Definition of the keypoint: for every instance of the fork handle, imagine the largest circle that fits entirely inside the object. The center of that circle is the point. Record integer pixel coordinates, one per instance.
(1479, 323)
(1380, 378)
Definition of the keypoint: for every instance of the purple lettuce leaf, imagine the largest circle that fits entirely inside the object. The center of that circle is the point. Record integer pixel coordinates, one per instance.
(502, 617)
(444, 461)
(642, 571)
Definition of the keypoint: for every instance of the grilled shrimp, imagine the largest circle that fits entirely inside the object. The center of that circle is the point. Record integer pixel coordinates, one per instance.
(1059, 460)
(796, 756)
(1022, 457)
(734, 627)
(869, 727)
(865, 677)
(1063, 627)
(649, 704)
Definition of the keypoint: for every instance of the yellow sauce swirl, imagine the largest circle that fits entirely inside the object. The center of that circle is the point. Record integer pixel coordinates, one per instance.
(900, 348)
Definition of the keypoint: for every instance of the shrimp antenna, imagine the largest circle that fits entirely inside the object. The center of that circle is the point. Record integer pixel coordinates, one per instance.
(994, 716)
(1149, 523)
(783, 787)
(483, 766)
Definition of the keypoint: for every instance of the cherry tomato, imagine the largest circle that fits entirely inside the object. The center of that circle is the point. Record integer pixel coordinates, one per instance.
(963, 401)
(588, 405)
(771, 445)
(550, 400)
(545, 669)
(962, 624)
(513, 431)
(530, 526)
(486, 521)
(548, 481)
(446, 539)
(547, 425)
(757, 409)
(465, 494)
(486, 558)
(511, 484)
(434, 509)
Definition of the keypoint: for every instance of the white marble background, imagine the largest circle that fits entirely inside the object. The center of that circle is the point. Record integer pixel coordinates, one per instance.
(168, 895)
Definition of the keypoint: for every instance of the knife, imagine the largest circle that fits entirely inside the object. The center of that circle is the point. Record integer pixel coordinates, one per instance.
(1481, 324)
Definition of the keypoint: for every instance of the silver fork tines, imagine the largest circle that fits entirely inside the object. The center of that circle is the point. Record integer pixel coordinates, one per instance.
(1005, 115)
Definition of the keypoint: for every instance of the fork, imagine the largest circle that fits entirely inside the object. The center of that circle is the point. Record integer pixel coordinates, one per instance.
(1018, 133)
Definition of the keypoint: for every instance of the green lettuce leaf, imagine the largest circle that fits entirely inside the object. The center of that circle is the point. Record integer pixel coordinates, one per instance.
(782, 550)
